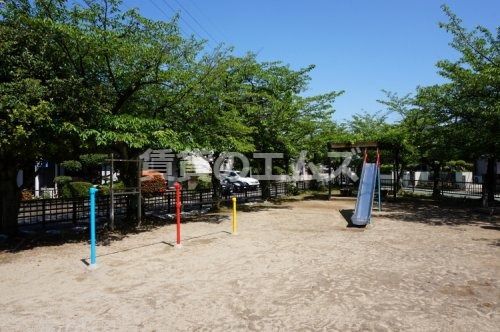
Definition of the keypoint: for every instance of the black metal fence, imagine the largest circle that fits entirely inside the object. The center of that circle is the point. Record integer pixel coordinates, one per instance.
(446, 188)
(73, 211)
(67, 210)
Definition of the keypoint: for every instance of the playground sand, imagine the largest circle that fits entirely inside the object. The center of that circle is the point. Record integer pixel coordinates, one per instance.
(292, 267)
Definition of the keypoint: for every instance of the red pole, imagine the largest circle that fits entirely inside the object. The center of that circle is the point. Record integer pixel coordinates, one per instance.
(178, 204)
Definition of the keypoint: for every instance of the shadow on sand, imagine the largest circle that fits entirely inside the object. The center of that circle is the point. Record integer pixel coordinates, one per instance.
(56, 235)
(435, 214)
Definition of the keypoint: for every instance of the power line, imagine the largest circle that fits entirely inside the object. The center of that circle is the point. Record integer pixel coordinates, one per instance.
(161, 10)
(207, 18)
(185, 22)
(174, 11)
(197, 22)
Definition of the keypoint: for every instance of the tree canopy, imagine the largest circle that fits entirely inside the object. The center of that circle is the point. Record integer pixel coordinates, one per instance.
(90, 77)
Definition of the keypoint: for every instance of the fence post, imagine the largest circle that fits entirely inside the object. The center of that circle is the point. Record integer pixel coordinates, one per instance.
(74, 212)
(111, 206)
(178, 203)
(43, 213)
(168, 202)
(139, 193)
(201, 200)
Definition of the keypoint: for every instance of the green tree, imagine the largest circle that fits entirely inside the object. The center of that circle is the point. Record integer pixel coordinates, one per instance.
(466, 110)
(393, 139)
(209, 120)
(283, 121)
(41, 101)
(84, 77)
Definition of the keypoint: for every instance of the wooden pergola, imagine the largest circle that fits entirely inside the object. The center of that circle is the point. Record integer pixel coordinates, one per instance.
(346, 147)
(343, 146)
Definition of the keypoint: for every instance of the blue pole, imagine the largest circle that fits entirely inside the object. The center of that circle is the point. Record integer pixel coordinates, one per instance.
(92, 192)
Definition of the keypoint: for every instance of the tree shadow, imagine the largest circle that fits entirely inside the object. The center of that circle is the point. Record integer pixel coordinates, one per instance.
(211, 218)
(436, 214)
(86, 260)
(256, 207)
(317, 196)
(496, 228)
(30, 237)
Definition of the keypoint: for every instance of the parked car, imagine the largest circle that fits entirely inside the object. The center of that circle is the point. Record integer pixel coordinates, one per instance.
(238, 182)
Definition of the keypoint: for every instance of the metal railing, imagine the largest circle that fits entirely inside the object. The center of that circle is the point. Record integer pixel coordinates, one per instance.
(67, 210)
(73, 211)
(445, 187)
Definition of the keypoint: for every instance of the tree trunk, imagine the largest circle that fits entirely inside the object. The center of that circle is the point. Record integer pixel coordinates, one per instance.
(396, 175)
(9, 199)
(216, 186)
(129, 173)
(436, 191)
(490, 181)
(266, 189)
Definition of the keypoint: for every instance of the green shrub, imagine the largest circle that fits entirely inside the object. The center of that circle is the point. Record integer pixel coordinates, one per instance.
(104, 189)
(45, 195)
(80, 189)
(62, 180)
(278, 170)
(72, 166)
(291, 188)
(458, 166)
(93, 160)
(317, 185)
(62, 183)
(204, 182)
(386, 169)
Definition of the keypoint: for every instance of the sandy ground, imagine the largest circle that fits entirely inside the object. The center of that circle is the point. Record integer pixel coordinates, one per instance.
(292, 267)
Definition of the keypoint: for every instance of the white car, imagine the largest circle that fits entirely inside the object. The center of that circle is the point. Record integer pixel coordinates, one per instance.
(238, 181)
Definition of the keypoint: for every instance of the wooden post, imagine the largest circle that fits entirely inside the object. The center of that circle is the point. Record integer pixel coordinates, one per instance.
(168, 202)
(111, 197)
(329, 179)
(43, 212)
(139, 194)
(74, 211)
(178, 204)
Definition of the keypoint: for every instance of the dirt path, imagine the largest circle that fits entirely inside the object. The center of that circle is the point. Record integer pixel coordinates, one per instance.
(293, 267)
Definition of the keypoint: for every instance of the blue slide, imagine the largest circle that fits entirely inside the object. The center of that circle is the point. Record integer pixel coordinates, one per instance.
(363, 211)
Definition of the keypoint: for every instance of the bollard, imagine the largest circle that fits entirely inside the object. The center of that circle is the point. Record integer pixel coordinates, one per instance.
(178, 204)
(92, 192)
(235, 221)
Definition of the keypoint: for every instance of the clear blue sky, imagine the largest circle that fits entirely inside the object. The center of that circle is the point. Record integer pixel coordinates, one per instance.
(358, 46)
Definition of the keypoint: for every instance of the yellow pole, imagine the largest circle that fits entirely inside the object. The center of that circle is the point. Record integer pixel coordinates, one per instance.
(235, 222)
